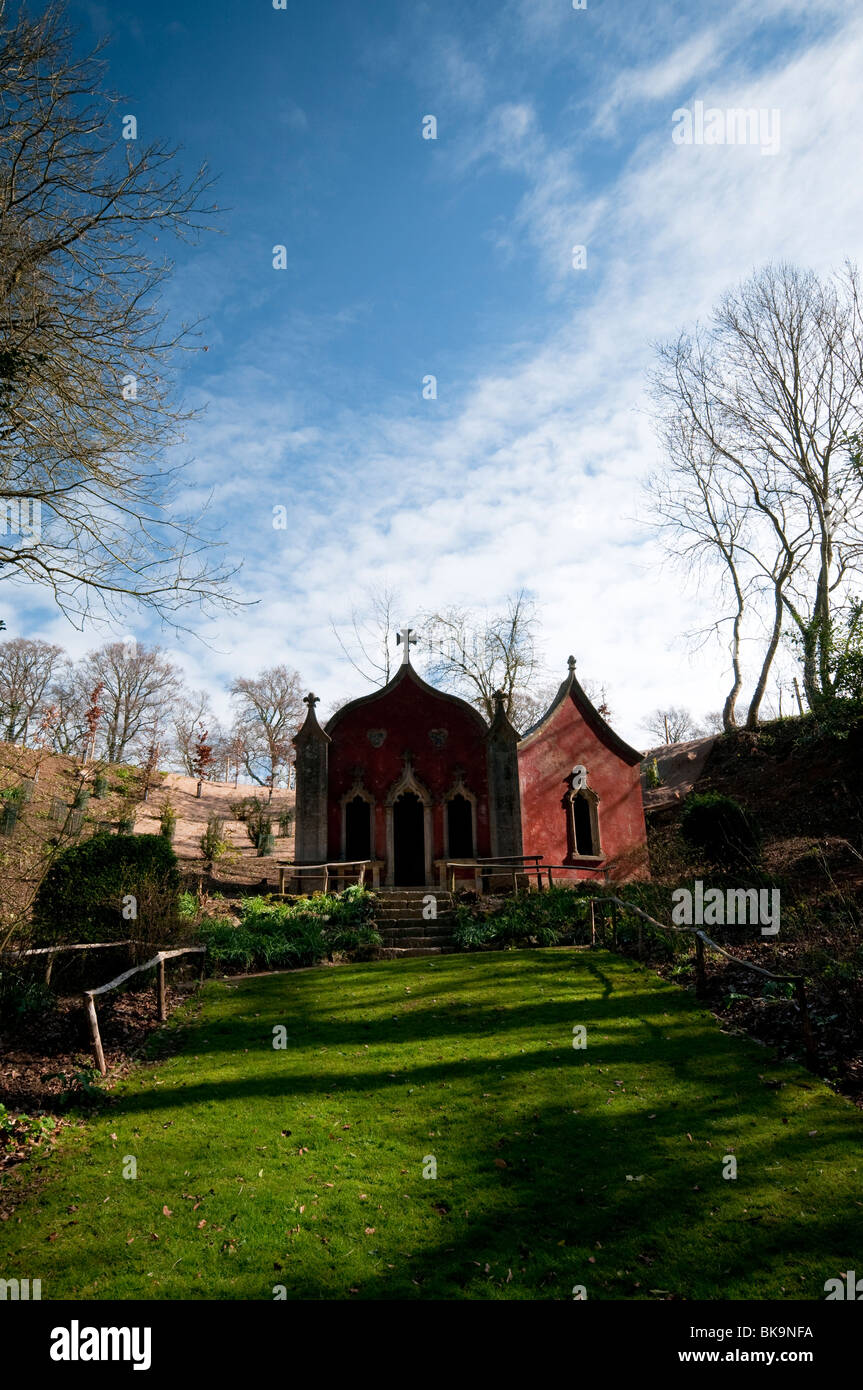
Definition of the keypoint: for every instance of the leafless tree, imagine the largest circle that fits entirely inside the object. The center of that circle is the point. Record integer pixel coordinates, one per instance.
(27, 666)
(232, 749)
(69, 700)
(140, 686)
(474, 654)
(672, 725)
(761, 415)
(367, 639)
(88, 404)
(191, 713)
(269, 712)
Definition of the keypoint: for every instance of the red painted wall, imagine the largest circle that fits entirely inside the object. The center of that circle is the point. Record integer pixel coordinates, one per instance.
(545, 760)
(408, 709)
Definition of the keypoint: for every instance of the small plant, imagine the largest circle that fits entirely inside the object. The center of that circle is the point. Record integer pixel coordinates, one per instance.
(286, 820)
(21, 1129)
(652, 778)
(168, 821)
(259, 827)
(213, 843)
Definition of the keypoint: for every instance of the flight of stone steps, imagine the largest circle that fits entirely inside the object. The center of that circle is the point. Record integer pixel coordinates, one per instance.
(405, 932)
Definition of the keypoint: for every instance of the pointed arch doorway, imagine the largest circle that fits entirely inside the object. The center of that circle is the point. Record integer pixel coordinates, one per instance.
(409, 832)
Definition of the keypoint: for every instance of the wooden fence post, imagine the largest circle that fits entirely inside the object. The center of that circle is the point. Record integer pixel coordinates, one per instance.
(160, 988)
(94, 1033)
(700, 974)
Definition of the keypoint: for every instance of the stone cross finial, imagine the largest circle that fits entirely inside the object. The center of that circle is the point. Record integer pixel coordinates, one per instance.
(406, 638)
(311, 700)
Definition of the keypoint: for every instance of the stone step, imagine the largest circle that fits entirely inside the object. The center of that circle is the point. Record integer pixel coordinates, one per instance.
(406, 914)
(410, 929)
(403, 953)
(409, 943)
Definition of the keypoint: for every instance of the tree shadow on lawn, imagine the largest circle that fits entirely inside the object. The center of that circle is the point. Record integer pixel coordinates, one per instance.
(631, 1181)
(563, 1212)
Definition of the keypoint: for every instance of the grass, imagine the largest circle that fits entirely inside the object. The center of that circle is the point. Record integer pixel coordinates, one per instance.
(556, 1166)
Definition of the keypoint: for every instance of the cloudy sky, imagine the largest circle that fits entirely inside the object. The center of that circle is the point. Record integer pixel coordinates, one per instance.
(453, 258)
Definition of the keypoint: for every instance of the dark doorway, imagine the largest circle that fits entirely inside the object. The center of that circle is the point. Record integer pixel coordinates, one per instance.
(358, 829)
(582, 824)
(459, 825)
(409, 841)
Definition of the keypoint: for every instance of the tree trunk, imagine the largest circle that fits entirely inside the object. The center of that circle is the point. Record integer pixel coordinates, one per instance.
(752, 719)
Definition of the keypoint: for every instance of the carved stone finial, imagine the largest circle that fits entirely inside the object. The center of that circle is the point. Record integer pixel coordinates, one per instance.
(406, 638)
(571, 664)
(311, 700)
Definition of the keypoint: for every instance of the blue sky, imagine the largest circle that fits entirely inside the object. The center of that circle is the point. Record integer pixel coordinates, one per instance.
(453, 257)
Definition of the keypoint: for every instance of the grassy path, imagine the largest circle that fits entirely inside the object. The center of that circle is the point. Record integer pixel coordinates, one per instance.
(556, 1166)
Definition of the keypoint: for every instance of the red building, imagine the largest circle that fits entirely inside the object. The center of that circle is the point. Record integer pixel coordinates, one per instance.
(411, 778)
(581, 798)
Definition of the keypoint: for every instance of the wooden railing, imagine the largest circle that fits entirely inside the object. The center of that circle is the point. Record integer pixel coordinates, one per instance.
(52, 951)
(296, 870)
(701, 940)
(159, 961)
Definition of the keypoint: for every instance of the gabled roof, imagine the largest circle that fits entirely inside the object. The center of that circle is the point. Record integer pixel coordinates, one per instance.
(570, 689)
(406, 672)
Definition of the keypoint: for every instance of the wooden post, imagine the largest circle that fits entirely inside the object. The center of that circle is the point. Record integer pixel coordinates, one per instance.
(550, 881)
(592, 922)
(700, 972)
(797, 693)
(160, 990)
(806, 1022)
(94, 1033)
(514, 885)
(326, 877)
(281, 879)
(49, 967)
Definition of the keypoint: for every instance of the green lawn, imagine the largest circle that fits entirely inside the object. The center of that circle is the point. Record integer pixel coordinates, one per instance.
(556, 1166)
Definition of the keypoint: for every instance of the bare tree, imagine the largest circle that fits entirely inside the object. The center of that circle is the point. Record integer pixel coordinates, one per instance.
(88, 408)
(190, 713)
(26, 668)
(140, 686)
(672, 725)
(474, 654)
(366, 640)
(761, 413)
(232, 749)
(269, 712)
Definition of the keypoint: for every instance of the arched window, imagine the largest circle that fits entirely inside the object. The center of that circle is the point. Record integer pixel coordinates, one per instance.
(582, 808)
